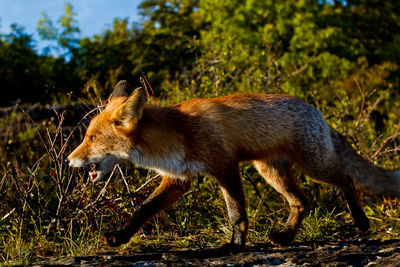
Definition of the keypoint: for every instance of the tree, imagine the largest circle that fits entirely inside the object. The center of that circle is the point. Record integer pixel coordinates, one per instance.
(20, 68)
(167, 40)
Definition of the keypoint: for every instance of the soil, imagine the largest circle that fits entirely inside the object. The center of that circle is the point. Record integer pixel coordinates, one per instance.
(352, 253)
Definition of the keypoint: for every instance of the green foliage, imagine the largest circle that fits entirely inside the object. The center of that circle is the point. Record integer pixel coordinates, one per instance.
(341, 56)
(16, 57)
(190, 48)
(67, 36)
(167, 38)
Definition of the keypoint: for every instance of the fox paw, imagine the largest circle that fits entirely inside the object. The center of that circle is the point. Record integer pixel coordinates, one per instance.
(115, 239)
(363, 224)
(282, 238)
(230, 248)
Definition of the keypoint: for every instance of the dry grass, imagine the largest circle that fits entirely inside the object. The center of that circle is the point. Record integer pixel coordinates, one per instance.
(50, 210)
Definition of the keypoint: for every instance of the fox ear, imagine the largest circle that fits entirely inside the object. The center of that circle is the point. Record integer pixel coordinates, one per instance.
(121, 89)
(130, 111)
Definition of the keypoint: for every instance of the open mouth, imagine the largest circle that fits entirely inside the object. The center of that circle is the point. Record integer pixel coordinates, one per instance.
(93, 175)
(100, 167)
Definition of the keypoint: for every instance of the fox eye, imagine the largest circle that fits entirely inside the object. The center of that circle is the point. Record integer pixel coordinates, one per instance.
(92, 138)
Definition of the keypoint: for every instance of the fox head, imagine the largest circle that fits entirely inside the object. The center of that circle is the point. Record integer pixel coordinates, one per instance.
(110, 134)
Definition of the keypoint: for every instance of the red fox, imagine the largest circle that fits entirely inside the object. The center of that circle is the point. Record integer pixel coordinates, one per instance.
(212, 136)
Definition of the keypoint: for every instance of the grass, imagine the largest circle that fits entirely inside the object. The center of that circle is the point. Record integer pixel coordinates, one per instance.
(50, 211)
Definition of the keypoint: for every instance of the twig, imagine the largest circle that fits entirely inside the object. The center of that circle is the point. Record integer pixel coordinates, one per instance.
(22, 195)
(3, 180)
(190, 192)
(390, 138)
(246, 177)
(144, 81)
(33, 173)
(34, 125)
(126, 184)
(62, 150)
(102, 192)
(8, 214)
(146, 183)
(362, 107)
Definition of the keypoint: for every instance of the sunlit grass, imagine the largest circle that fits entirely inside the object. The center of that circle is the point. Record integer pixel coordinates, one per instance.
(49, 212)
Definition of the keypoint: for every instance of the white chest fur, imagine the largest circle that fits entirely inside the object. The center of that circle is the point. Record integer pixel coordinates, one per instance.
(172, 165)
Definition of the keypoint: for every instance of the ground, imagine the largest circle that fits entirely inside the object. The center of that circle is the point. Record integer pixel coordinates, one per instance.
(352, 253)
(198, 220)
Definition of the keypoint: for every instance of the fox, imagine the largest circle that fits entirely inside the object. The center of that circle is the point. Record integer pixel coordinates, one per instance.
(212, 136)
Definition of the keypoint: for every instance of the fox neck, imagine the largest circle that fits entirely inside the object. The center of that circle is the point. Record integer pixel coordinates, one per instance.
(159, 144)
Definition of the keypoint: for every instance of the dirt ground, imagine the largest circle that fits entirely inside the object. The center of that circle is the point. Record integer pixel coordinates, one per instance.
(352, 253)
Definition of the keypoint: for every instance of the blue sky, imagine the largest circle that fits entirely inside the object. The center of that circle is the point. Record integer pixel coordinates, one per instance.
(93, 16)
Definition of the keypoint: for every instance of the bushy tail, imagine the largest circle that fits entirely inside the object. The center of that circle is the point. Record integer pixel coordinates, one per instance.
(366, 176)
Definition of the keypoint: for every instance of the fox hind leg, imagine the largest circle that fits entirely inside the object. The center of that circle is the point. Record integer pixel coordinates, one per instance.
(352, 197)
(278, 174)
(331, 172)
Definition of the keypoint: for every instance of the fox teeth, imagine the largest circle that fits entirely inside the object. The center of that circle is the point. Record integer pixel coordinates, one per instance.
(93, 174)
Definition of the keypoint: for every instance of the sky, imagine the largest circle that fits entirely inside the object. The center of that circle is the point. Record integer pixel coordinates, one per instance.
(93, 16)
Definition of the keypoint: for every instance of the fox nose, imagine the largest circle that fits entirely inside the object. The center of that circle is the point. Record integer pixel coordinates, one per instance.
(66, 160)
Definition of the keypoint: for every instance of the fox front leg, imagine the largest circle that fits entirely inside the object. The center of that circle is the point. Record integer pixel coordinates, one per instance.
(168, 192)
(232, 190)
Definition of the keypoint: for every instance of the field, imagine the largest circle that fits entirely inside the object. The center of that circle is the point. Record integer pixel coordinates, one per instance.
(51, 211)
(340, 56)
